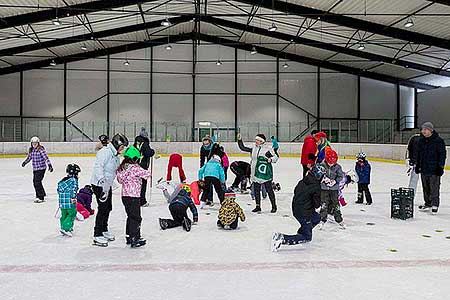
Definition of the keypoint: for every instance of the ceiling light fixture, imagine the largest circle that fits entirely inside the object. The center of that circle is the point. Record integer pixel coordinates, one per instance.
(361, 47)
(126, 63)
(253, 52)
(83, 47)
(409, 23)
(166, 22)
(218, 63)
(273, 27)
(56, 22)
(169, 47)
(53, 63)
(285, 66)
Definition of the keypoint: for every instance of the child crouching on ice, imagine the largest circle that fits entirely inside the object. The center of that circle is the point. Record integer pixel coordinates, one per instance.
(230, 212)
(130, 176)
(179, 201)
(67, 197)
(304, 204)
(84, 201)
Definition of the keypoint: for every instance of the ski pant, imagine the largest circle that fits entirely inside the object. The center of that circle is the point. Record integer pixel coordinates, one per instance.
(263, 191)
(211, 182)
(240, 175)
(233, 225)
(330, 202)
(134, 219)
(178, 212)
(225, 170)
(103, 210)
(363, 188)
(143, 198)
(413, 180)
(176, 161)
(270, 192)
(38, 176)
(431, 185)
(304, 233)
(67, 217)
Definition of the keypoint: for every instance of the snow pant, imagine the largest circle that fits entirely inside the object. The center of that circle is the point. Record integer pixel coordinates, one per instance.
(67, 217)
(330, 202)
(363, 188)
(431, 185)
(143, 198)
(134, 219)
(176, 161)
(103, 210)
(263, 191)
(413, 180)
(211, 182)
(233, 225)
(305, 170)
(225, 170)
(38, 176)
(178, 212)
(304, 233)
(240, 175)
(270, 192)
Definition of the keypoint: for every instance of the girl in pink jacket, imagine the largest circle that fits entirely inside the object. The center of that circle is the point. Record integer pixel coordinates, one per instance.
(130, 176)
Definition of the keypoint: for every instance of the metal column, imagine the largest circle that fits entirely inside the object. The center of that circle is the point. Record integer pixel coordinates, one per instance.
(277, 120)
(65, 103)
(108, 90)
(235, 93)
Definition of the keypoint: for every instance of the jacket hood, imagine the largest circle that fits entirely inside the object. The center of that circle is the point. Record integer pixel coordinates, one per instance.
(112, 149)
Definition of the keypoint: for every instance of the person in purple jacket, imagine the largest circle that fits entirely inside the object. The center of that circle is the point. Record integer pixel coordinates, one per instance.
(84, 197)
(40, 161)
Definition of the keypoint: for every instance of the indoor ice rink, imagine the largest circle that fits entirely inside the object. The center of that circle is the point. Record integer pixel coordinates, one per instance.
(357, 78)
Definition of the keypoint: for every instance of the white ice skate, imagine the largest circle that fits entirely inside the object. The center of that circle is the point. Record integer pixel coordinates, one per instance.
(202, 205)
(66, 233)
(37, 200)
(109, 236)
(277, 240)
(342, 225)
(100, 241)
(322, 225)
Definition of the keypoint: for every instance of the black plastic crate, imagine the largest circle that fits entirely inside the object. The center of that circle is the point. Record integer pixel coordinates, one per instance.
(402, 203)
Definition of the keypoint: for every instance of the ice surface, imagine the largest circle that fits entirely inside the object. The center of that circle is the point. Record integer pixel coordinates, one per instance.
(207, 263)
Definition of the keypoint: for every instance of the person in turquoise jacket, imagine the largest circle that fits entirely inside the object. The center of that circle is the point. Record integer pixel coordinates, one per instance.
(212, 174)
(67, 196)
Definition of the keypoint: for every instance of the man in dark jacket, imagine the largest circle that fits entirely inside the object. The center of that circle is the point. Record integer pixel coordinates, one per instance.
(411, 156)
(431, 157)
(304, 204)
(142, 143)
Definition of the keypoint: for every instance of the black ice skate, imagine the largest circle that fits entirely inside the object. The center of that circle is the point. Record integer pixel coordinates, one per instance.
(136, 243)
(163, 224)
(186, 223)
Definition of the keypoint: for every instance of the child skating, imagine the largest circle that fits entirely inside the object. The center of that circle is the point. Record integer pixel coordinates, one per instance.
(230, 212)
(67, 198)
(363, 169)
(84, 201)
(304, 204)
(130, 175)
(40, 161)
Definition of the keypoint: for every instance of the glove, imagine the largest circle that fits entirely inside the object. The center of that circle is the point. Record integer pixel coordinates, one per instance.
(239, 137)
(268, 154)
(74, 200)
(440, 171)
(24, 164)
(50, 168)
(103, 197)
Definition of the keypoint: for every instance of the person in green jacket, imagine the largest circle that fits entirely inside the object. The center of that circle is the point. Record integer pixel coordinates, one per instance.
(67, 196)
(212, 174)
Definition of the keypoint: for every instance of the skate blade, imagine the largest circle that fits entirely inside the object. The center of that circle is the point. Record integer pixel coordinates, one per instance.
(99, 244)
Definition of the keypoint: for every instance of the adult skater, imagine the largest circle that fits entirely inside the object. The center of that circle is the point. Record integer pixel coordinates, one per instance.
(411, 158)
(176, 161)
(205, 150)
(106, 163)
(242, 170)
(262, 157)
(40, 162)
(309, 150)
(304, 204)
(431, 158)
(142, 143)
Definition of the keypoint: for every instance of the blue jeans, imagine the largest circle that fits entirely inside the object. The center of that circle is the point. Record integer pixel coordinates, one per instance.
(263, 191)
(304, 233)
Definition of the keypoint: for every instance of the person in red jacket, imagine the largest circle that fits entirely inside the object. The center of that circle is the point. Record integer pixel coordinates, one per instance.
(309, 151)
(176, 161)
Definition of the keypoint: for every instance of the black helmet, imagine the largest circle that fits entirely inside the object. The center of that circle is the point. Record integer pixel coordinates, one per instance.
(119, 140)
(318, 171)
(104, 139)
(73, 170)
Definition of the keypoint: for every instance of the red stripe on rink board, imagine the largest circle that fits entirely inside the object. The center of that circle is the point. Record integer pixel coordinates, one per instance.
(202, 267)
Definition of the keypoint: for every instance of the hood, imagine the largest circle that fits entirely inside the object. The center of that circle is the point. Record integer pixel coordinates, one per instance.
(86, 191)
(112, 149)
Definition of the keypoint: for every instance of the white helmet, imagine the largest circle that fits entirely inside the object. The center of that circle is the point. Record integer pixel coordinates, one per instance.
(35, 139)
(217, 158)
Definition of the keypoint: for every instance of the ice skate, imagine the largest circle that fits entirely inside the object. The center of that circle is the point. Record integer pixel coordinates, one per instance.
(424, 207)
(37, 200)
(136, 243)
(146, 204)
(257, 210)
(66, 233)
(186, 223)
(274, 209)
(209, 203)
(277, 240)
(202, 205)
(109, 236)
(321, 225)
(342, 225)
(100, 241)
(434, 210)
(163, 224)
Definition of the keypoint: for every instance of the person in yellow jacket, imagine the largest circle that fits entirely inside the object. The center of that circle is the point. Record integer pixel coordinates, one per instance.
(230, 212)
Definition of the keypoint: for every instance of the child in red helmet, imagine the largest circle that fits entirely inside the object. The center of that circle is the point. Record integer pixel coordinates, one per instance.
(330, 188)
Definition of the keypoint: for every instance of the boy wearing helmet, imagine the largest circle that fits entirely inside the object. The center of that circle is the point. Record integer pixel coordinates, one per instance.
(304, 204)
(67, 198)
(363, 169)
(179, 201)
(130, 175)
(330, 188)
(106, 163)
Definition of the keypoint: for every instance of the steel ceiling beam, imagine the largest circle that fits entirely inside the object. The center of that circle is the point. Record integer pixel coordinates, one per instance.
(315, 62)
(66, 11)
(89, 36)
(96, 53)
(326, 46)
(443, 2)
(342, 20)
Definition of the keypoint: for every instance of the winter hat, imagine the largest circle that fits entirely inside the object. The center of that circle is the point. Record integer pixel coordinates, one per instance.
(260, 137)
(320, 135)
(231, 196)
(216, 158)
(143, 132)
(331, 157)
(428, 125)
